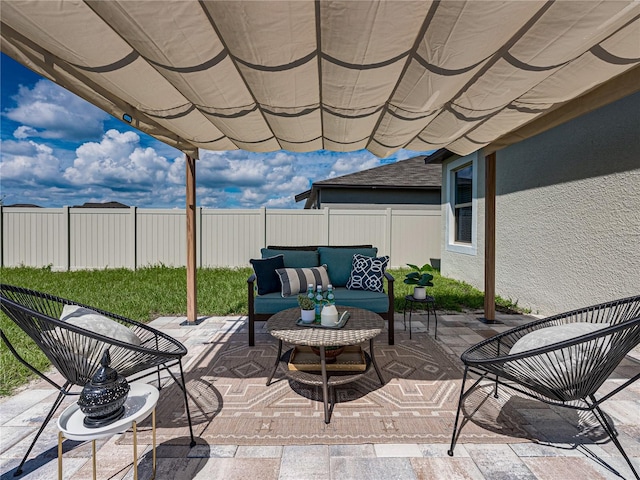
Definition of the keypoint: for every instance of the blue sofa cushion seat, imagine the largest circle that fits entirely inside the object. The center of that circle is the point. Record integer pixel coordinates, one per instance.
(294, 258)
(339, 261)
(274, 302)
(374, 301)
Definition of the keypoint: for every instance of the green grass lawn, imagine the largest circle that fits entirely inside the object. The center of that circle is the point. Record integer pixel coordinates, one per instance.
(148, 293)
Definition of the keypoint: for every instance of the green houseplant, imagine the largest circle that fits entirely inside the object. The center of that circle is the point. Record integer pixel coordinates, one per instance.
(307, 308)
(419, 278)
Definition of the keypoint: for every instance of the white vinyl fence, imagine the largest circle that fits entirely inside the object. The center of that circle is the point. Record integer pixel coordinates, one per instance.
(87, 238)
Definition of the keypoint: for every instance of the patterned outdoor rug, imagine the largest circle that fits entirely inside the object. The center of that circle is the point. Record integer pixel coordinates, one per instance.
(230, 403)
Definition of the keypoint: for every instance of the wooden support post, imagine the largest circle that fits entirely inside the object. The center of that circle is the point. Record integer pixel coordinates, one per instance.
(490, 238)
(192, 304)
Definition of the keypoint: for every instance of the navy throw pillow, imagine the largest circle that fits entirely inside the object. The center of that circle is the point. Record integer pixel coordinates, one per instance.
(266, 276)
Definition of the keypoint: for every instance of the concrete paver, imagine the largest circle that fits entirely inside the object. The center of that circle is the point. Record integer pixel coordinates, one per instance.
(439, 468)
(392, 468)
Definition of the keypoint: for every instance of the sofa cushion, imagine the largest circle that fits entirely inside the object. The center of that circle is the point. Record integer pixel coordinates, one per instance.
(266, 276)
(558, 333)
(296, 280)
(339, 261)
(549, 364)
(273, 303)
(375, 301)
(294, 258)
(367, 273)
(91, 320)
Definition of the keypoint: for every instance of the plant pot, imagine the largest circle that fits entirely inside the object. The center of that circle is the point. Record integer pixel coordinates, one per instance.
(419, 293)
(308, 316)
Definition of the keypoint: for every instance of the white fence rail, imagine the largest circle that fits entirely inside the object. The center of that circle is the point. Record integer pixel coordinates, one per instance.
(84, 238)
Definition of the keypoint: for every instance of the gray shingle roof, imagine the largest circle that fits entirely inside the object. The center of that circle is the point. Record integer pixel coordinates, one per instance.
(102, 205)
(410, 173)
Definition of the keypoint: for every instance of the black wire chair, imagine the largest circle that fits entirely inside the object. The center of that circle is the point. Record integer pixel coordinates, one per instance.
(76, 352)
(567, 373)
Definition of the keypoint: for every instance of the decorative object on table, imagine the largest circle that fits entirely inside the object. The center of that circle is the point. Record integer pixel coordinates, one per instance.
(341, 322)
(331, 297)
(329, 315)
(351, 359)
(419, 278)
(102, 398)
(330, 353)
(307, 308)
(319, 303)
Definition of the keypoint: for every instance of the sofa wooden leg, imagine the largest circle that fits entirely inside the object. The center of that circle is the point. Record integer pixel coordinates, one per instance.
(252, 336)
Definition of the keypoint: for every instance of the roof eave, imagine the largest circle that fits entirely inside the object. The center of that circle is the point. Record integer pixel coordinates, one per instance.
(439, 156)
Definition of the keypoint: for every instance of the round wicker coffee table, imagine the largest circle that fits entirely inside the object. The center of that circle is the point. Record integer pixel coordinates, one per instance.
(362, 325)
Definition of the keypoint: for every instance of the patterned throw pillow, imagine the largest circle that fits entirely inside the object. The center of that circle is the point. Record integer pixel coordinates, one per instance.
(367, 273)
(296, 280)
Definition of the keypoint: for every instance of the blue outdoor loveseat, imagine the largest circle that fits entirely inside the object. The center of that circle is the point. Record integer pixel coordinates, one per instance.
(338, 260)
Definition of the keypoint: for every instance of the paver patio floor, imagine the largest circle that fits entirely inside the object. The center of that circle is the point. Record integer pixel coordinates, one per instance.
(22, 413)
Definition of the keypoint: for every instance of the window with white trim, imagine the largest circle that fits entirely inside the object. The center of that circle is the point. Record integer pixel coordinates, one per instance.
(462, 206)
(461, 196)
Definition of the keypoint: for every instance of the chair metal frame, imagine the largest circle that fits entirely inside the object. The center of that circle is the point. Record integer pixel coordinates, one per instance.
(76, 352)
(591, 360)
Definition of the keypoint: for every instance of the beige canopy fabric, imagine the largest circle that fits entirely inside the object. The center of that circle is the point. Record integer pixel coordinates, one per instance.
(307, 75)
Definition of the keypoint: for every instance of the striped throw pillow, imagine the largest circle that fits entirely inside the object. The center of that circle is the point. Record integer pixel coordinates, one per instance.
(296, 280)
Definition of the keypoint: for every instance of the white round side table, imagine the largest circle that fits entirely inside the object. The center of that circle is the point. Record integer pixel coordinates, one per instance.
(141, 402)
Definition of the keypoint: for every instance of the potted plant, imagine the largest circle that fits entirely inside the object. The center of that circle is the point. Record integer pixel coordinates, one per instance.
(420, 278)
(307, 308)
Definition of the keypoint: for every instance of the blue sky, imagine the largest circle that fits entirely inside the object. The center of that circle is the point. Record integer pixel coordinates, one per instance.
(56, 150)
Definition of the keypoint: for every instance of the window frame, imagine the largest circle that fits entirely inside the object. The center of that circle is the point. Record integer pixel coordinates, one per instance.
(451, 244)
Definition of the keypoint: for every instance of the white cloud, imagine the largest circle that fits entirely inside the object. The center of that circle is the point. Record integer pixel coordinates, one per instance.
(353, 163)
(30, 164)
(23, 132)
(248, 180)
(50, 112)
(281, 202)
(280, 159)
(177, 171)
(118, 160)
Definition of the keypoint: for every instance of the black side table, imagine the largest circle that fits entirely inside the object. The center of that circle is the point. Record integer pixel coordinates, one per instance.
(430, 303)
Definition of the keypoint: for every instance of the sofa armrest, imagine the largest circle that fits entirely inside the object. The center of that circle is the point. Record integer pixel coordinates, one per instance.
(390, 281)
